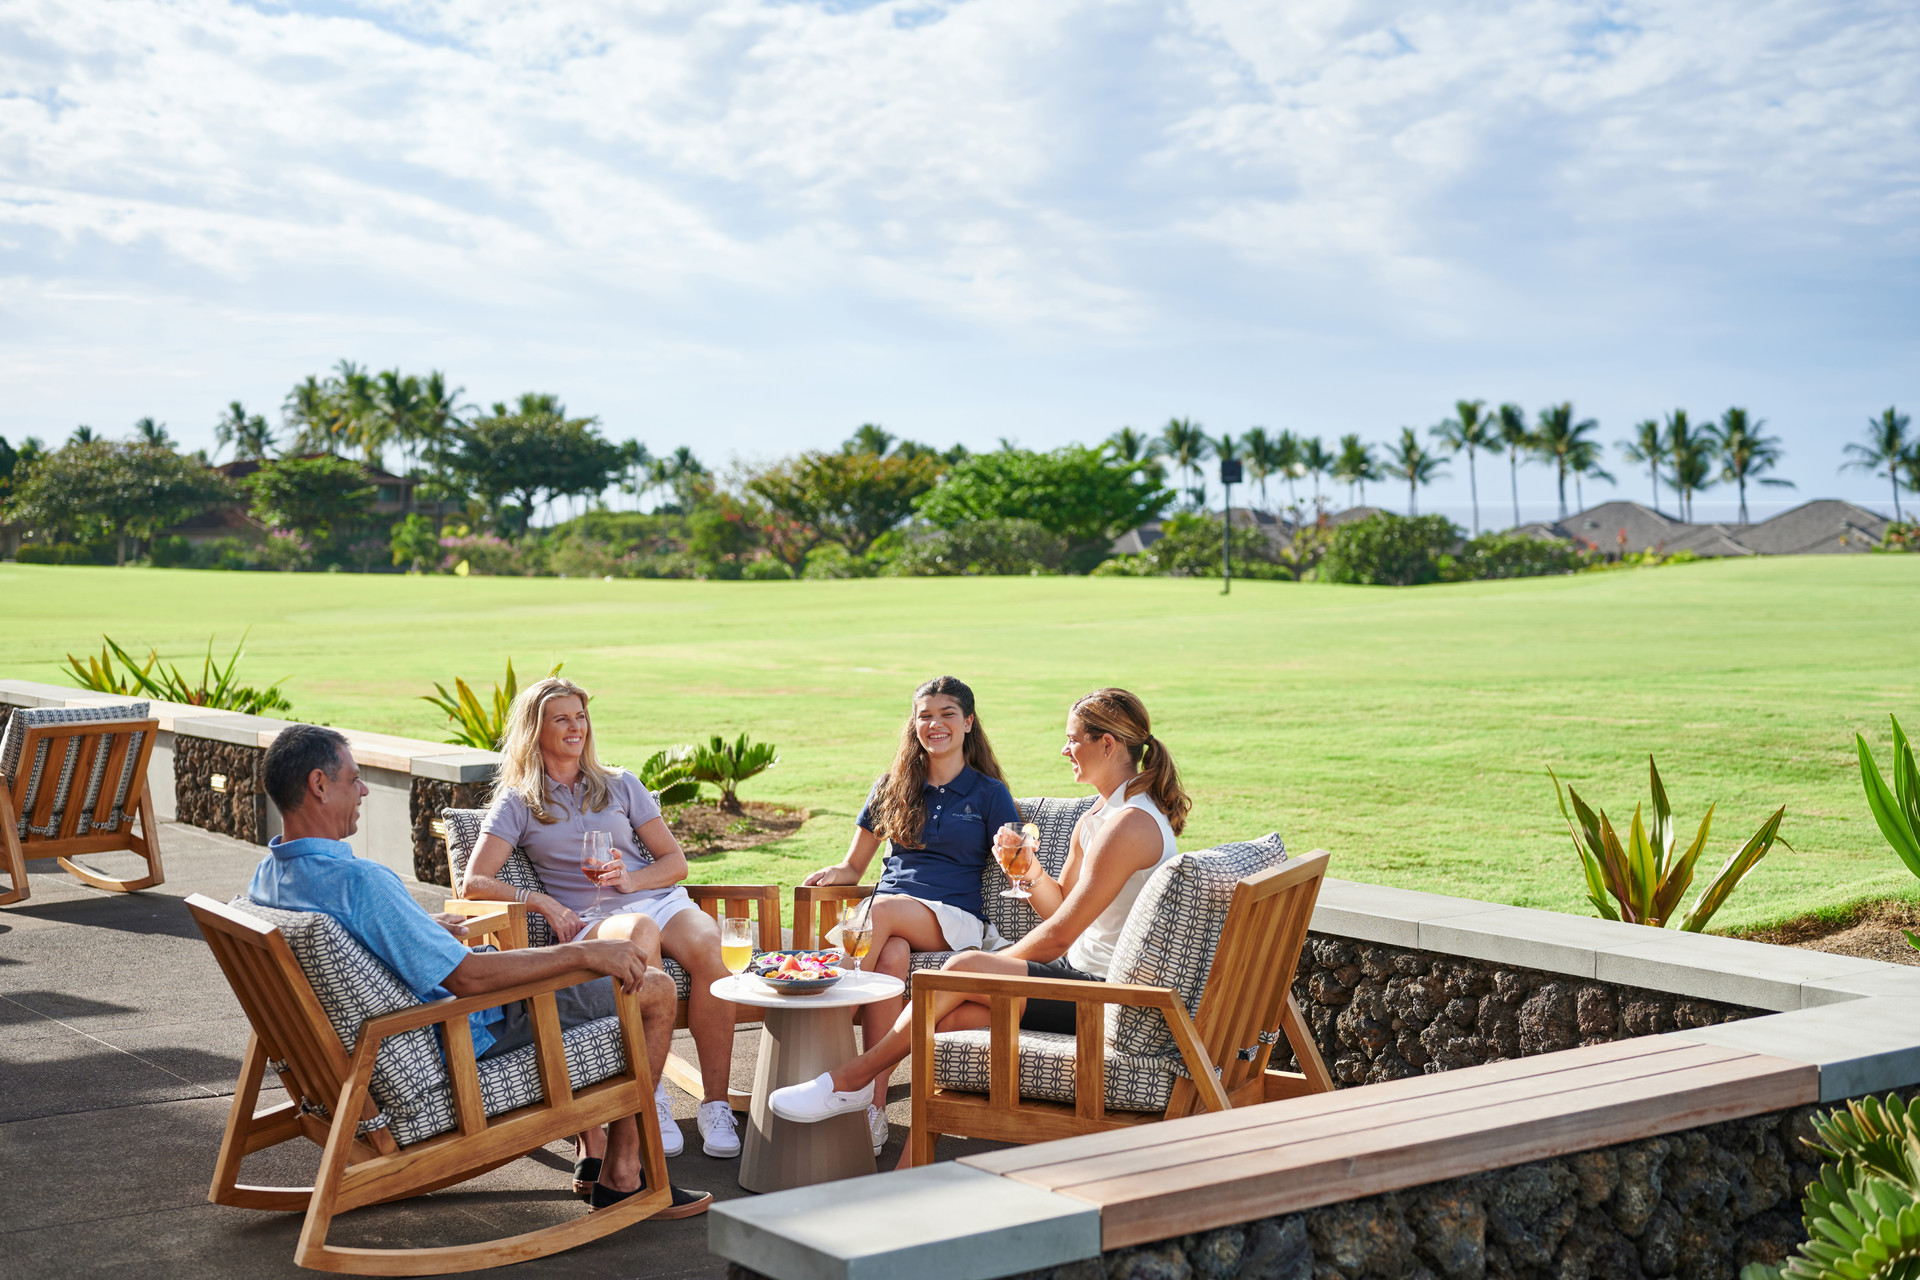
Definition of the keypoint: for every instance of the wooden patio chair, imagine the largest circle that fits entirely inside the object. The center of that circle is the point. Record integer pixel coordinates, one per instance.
(366, 1081)
(1138, 1056)
(72, 780)
(759, 902)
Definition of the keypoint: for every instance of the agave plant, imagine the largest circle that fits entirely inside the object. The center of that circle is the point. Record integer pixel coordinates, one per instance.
(1862, 1214)
(1643, 876)
(728, 764)
(475, 723)
(217, 688)
(1897, 808)
(669, 775)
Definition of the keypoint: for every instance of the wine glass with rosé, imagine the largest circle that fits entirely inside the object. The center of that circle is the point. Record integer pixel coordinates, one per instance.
(598, 861)
(1015, 847)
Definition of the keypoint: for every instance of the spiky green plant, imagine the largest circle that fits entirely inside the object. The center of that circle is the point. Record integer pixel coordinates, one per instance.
(476, 723)
(217, 688)
(1897, 808)
(1862, 1214)
(669, 775)
(728, 764)
(1643, 875)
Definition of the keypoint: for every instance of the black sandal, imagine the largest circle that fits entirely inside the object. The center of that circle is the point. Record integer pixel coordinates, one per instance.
(686, 1203)
(586, 1176)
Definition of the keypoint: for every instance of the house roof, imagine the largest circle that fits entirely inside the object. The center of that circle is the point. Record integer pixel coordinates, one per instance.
(1823, 526)
(1620, 526)
(241, 468)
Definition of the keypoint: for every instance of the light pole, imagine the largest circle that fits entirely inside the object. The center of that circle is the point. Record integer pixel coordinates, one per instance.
(1229, 477)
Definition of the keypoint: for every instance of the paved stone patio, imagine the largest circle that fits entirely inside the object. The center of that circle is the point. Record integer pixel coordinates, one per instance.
(119, 1046)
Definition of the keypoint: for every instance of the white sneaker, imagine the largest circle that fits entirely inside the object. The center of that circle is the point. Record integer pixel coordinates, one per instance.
(672, 1141)
(877, 1128)
(816, 1100)
(718, 1137)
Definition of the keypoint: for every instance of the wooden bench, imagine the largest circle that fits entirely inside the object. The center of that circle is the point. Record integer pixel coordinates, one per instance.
(1211, 1170)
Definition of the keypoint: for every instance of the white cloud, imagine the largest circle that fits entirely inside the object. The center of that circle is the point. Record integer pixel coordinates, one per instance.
(954, 208)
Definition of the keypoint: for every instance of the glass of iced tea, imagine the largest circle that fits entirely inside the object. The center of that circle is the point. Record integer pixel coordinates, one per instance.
(736, 943)
(1015, 847)
(856, 931)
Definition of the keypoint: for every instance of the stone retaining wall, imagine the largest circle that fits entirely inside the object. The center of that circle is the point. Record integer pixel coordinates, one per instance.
(1381, 1012)
(241, 810)
(1698, 1204)
(425, 799)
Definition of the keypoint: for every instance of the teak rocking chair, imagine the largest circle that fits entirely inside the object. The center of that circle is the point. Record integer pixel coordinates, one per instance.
(73, 787)
(1247, 1004)
(329, 1092)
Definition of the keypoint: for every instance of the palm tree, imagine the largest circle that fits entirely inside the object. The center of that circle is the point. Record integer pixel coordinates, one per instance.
(1317, 461)
(1261, 452)
(1286, 460)
(1128, 445)
(1184, 442)
(1745, 454)
(1355, 465)
(1470, 429)
(1558, 440)
(638, 462)
(1409, 460)
(249, 434)
(82, 434)
(1584, 461)
(1647, 448)
(1512, 429)
(149, 432)
(1885, 452)
(1690, 455)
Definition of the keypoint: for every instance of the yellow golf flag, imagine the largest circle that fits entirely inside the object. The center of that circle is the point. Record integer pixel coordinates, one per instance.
(460, 570)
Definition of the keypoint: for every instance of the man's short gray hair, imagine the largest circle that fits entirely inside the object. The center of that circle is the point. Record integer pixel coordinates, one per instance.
(294, 755)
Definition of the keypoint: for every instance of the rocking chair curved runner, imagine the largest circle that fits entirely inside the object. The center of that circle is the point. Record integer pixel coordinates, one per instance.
(466, 1118)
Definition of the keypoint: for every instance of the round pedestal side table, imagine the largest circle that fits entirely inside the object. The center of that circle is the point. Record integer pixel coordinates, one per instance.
(805, 1035)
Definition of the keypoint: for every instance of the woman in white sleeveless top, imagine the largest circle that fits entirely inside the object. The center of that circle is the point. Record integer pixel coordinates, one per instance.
(1120, 842)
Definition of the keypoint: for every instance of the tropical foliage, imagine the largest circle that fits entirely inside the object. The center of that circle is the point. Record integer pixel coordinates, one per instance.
(726, 765)
(217, 687)
(127, 491)
(1643, 878)
(479, 724)
(669, 775)
(1080, 494)
(1862, 1214)
(1896, 808)
(1386, 550)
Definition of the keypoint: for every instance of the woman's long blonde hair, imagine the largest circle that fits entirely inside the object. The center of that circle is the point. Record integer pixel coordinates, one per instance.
(1119, 713)
(900, 810)
(524, 771)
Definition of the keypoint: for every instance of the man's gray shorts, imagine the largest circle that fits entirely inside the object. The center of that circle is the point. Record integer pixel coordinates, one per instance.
(579, 1005)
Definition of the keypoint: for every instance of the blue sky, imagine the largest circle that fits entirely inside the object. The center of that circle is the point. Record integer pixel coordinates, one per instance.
(750, 226)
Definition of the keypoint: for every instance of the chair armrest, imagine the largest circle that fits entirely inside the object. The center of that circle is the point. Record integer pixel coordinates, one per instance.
(767, 896)
(439, 1011)
(807, 902)
(1022, 988)
(505, 922)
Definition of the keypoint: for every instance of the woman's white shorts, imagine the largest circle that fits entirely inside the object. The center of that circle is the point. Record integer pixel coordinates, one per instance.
(657, 905)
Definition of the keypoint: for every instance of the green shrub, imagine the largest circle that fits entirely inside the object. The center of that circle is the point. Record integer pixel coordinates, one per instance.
(1127, 566)
(1643, 876)
(415, 544)
(831, 560)
(1518, 555)
(170, 553)
(1862, 1214)
(728, 764)
(579, 558)
(216, 689)
(669, 775)
(1189, 547)
(996, 547)
(484, 554)
(64, 553)
(1386, 550)
(766, 569)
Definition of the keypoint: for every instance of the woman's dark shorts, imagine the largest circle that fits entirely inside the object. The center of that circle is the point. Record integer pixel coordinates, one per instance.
(1053, 1015)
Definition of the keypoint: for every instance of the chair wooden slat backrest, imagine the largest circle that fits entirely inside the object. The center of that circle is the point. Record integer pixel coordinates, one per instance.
(329, 1095)
(79, 784)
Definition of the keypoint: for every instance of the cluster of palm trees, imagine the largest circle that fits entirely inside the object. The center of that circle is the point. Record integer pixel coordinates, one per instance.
(1685, 457)
(354, 408)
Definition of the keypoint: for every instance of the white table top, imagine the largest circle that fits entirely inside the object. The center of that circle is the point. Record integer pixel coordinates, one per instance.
(855, 988)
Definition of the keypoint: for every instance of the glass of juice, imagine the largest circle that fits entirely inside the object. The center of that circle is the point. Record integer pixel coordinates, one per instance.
(736, 943)
(1015, 847)
(856, 931)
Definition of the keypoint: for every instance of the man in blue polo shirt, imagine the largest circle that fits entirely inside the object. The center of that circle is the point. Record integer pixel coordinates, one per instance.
(313, 780)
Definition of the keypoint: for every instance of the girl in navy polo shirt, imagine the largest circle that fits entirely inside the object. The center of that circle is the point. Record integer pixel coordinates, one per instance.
(937, 808)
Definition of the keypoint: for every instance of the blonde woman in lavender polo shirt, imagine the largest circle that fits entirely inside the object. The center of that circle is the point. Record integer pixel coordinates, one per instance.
(552, 790)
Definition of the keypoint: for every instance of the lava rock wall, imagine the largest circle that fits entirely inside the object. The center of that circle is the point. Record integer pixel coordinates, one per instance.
(241, 810)
(425, 799)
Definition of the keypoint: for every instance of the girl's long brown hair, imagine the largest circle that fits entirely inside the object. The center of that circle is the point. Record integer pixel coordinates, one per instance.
(1119, 713)
(900, 808)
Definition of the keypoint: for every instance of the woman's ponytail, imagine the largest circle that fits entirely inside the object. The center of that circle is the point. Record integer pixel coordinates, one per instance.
(1121, 714)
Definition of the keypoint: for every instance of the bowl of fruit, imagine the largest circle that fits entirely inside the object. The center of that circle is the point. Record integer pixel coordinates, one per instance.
(797, 972)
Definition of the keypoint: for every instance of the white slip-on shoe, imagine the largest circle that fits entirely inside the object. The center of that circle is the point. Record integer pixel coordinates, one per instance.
(877, 1128)
(816, 1100)
(672, 1141)
(718, 1137)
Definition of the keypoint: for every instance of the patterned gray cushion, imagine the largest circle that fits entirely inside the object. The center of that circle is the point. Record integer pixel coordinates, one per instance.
(1168, 941)
(1046, 1070)
(410, 1075)
(1171, 933)
(1055, 818)
(463, 833)
(26, 785)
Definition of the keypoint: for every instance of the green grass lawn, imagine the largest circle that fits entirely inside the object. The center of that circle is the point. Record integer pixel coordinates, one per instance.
(1407, 730)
